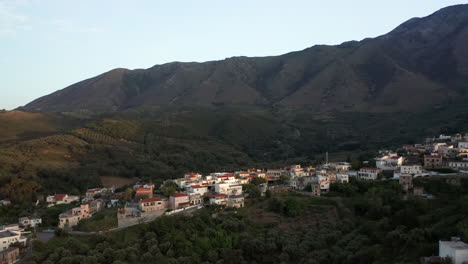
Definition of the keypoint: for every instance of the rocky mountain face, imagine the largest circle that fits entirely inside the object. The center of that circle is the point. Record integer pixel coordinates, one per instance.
(421, 64)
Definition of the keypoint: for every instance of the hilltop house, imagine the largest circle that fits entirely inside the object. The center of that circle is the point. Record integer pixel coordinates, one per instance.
(178, 200)
(432, 161)
(406, 182)
(30, 221)
(219, 199)
(71, 218)
(455, 249)
(61, 198)
(391, 161)
(458, 164)
(369, 173)
(8, 237)
(273, 174)
(411, 169)
(10, 255)
(229, 189)
(152, 204)
(5, 201)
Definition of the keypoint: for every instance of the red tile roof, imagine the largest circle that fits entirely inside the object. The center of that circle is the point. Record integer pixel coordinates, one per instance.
(149, 200)
(219, 195)
(433, 156)
(197, 186)
(141, 189)
(59, 196)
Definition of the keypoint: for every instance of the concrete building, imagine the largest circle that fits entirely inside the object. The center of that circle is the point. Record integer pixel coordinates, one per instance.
(62, 198)
(219, 199)
(406, 182)
(178, 200)
(229, 189)
(8, 237)
(152, 204)
(236, 201)
(455, 249)
(30, 221)
(71, 218)
(432, 161)
(10, 255)
(458, 164)
(369, 173)
(411, 169)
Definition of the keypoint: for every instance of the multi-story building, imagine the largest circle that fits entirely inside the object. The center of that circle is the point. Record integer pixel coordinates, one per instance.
(458, 164)
(30, 221)
(229, 189)
(8, 237)
(61, 198)
(455, 249)
(152, 204)
(178, 200)
(432, 161)
(406, 182)
(369, 173)
(411, 169)
(71, 218)
(10, 255)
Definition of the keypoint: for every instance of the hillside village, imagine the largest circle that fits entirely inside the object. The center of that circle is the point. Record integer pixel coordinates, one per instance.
(436, 157)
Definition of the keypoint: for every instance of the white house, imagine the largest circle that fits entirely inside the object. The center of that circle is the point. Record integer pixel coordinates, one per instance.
(411, 169)
(369, 173)
(30, 222)
(61, 198)
(389, 162)
(324, 182)
(229, 189)
(342, 178)
(463, 145)
(455, 249)
(458, 164)
(197, 189)
(8, 237)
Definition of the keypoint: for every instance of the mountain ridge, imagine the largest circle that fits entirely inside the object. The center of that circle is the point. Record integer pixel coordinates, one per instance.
(388, 73)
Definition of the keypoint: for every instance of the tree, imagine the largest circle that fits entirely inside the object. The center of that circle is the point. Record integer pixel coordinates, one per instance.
(254, 192)
(257, 181)
(284, 178)
(128, 194)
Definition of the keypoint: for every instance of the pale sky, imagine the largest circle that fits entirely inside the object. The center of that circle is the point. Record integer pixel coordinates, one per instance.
(46, 45)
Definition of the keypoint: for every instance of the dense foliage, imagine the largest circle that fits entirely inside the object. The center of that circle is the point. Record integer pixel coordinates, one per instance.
(371, 224)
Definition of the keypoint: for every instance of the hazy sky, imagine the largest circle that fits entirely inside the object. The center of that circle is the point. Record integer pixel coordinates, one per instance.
(46, 45)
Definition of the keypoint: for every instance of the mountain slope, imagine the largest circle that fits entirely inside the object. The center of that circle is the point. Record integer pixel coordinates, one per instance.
(424, 56)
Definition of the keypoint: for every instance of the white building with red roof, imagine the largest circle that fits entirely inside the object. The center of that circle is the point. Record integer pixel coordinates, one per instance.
(61, 198)
(178, 200)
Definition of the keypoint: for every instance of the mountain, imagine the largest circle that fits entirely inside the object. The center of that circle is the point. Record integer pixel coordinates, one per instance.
(421, 64)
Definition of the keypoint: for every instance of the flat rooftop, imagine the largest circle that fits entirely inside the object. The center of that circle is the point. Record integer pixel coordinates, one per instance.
(455, 244)
(7, 233)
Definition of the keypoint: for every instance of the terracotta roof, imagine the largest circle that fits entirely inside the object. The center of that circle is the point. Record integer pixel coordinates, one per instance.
(219, 195)
(93, 190)
(59, 196)
(192, 173)
(149, 200)
(178, 195)
(197, 186)
(141, 189)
